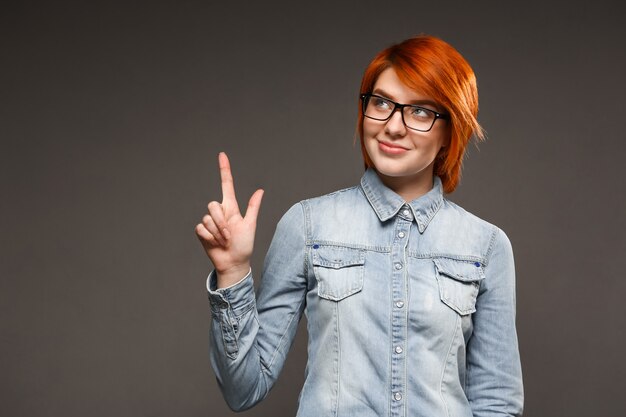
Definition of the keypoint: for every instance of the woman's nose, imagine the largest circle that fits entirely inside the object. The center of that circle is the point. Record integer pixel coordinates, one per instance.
(395, 125)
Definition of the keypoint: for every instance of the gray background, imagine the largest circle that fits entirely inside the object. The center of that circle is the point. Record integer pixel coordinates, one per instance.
(112, 116)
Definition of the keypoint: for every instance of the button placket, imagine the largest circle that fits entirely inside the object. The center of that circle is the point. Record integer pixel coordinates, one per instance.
(399, 313)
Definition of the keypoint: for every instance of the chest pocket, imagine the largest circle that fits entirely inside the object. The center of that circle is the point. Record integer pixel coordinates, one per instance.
(338, 271)
(458, 282)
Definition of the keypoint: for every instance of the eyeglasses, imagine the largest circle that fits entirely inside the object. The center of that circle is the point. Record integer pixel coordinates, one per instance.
(414, 117)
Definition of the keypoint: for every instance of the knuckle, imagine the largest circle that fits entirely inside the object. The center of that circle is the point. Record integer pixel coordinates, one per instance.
(208, 222)
(215, 208)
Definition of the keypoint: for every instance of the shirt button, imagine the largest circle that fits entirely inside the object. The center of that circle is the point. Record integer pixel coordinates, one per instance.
(399, 304)
(397, 396)
(398, 266)
(406, 212)
(401, 235)
(398, 349)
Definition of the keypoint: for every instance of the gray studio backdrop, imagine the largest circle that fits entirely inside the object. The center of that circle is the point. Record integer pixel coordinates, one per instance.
(111, 119)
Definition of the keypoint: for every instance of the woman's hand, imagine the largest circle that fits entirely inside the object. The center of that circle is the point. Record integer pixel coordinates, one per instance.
(227, 237)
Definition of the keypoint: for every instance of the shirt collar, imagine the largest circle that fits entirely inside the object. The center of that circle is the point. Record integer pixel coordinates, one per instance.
(386, 203)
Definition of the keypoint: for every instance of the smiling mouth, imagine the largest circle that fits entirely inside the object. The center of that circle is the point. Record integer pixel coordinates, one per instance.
(390, 148)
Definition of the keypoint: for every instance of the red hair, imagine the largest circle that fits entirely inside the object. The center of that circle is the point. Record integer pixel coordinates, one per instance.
(432, 67)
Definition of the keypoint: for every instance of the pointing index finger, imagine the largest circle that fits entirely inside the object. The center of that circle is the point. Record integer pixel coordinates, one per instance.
(228, 187)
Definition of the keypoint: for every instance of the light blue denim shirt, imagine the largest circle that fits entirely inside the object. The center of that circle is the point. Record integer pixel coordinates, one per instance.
(410, 310)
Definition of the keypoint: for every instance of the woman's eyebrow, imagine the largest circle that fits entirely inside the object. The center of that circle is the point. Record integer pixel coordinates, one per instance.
(381, 92)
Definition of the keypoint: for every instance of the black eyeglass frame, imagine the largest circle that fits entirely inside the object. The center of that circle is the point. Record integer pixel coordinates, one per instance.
(365, 98)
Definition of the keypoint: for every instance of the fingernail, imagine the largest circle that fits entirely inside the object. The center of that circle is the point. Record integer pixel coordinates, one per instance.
(226, 233)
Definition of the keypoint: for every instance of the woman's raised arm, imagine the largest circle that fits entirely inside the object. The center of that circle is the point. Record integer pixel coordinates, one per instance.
(250, 338)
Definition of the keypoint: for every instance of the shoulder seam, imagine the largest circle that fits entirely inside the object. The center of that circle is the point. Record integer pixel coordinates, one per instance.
(492, 241)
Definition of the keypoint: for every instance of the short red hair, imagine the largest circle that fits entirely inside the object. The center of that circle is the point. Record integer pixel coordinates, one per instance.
(433, 67)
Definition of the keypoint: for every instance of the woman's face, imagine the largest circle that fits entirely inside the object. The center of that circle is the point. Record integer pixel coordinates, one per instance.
(397, 152)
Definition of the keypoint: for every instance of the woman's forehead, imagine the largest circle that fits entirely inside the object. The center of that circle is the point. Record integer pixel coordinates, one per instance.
(388, 84)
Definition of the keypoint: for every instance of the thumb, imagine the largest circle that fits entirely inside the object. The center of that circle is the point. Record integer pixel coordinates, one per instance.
(254, 204)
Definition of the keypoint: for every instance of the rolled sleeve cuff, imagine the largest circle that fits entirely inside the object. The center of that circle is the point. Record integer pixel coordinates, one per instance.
(233, 297)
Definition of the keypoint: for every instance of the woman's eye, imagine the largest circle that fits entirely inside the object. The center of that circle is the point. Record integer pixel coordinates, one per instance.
(419, 112)
(381, 103)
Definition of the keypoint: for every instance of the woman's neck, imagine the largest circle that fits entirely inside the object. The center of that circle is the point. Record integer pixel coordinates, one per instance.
(409, 187)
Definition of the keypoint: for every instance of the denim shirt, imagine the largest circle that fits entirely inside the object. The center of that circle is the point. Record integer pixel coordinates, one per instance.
(410, 310)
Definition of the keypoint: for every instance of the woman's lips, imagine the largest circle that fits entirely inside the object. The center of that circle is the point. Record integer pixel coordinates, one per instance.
(391, 149)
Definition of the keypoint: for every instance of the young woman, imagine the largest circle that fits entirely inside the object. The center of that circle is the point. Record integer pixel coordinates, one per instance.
(410, 299)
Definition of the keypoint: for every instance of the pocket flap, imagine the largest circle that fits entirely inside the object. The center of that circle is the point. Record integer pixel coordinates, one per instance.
(337, 257)
(460, 270)
(459, 283)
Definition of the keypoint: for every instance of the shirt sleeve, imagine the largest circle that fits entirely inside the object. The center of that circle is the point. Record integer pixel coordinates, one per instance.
(494, 375)
(250, 336)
